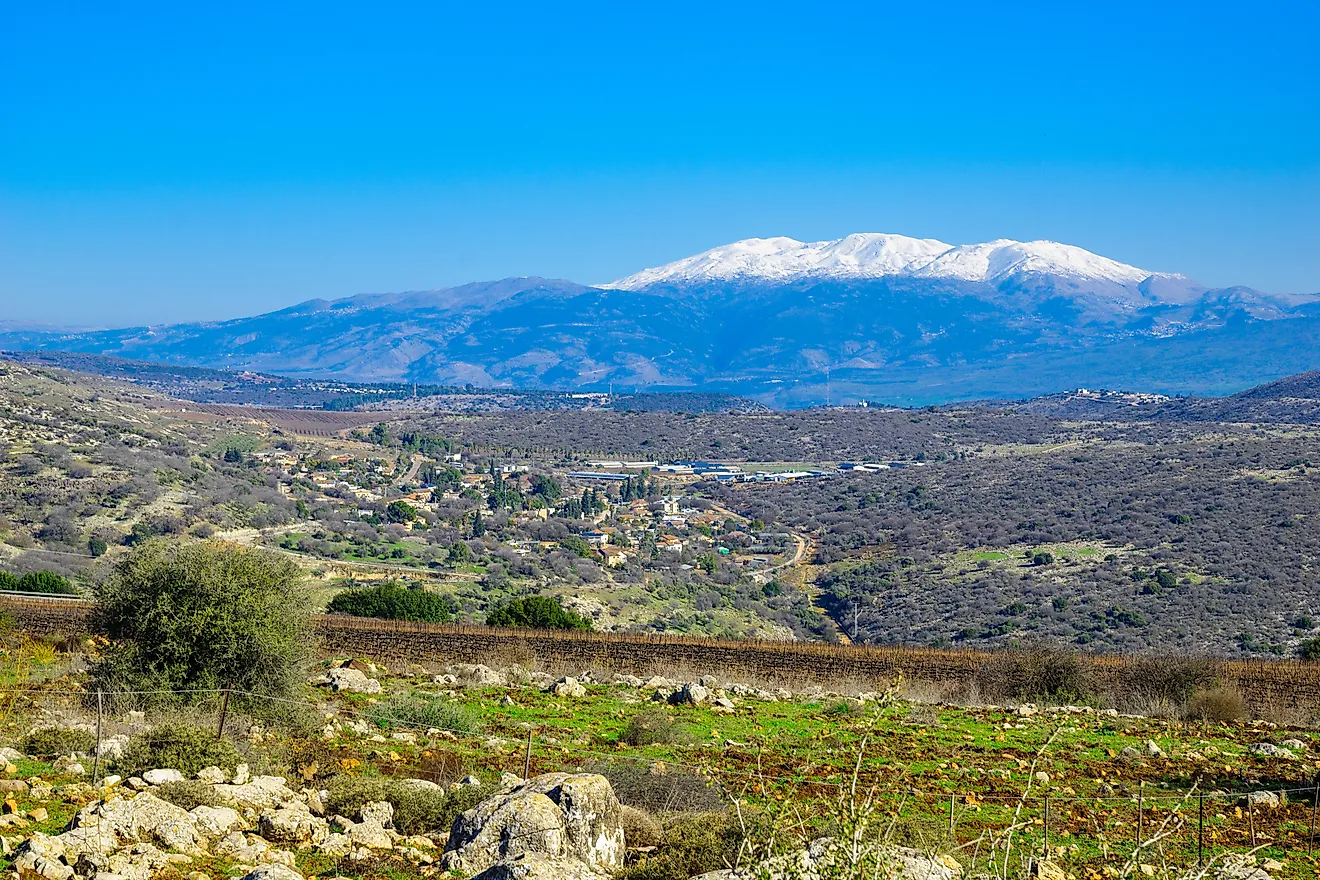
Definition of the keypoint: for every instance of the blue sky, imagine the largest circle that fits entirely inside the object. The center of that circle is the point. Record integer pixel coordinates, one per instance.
(165, 162)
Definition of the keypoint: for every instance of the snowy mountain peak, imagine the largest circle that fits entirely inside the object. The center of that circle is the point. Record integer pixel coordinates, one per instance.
(877, 255)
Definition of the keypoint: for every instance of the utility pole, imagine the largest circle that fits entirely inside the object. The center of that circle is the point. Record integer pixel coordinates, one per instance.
(854, 620)
(827, 386)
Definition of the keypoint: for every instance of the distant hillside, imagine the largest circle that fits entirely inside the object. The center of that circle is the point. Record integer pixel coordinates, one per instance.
(1291, 400)
(209, 386)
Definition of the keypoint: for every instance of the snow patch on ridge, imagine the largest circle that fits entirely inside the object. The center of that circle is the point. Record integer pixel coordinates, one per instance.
(876, 255)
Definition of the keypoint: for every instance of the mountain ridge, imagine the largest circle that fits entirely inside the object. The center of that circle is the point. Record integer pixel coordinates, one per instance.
(988, 321)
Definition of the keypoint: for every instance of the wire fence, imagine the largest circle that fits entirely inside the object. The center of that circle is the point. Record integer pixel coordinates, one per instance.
(1192, 819)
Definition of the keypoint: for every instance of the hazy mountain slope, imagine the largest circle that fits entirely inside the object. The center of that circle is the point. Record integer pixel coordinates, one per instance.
(888, 317)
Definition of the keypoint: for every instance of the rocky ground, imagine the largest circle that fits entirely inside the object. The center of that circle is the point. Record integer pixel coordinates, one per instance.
(420, 772)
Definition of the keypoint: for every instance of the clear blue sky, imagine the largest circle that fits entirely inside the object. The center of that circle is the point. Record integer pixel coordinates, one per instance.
(172, 161)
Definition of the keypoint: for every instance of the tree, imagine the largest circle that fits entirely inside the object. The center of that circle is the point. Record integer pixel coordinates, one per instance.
(1309, 649)
(389, 601)
(546, 487)
(537, 612)
(203, 616)
(400, 512)
(96, 546)
(45, 582)
(459, 553)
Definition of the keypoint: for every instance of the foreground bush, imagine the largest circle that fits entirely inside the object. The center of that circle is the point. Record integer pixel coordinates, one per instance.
(181, 747)
(53, 742)
(417, 810)
(691, 845)
(203, 616)
(391, 602)
(537, 612)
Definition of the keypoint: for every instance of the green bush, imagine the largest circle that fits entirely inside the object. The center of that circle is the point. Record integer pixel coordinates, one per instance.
(53, 742)
(204, 616)
(417, 810)
(423, 713)
(537, 612)
(390, 601)
(181, 747)
(691, 845)
(37, 582)
(1309, 649)
(188, 794)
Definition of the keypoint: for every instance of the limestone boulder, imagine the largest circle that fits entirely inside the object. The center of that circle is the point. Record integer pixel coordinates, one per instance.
(568, 686)
(122, 821)
(161, 776)
(41, 858)
(215, 821)
(348, 680)
(535, 866)
(273, 871)
(572, 816)
(259, 793)
(292, 824)
(825, 858)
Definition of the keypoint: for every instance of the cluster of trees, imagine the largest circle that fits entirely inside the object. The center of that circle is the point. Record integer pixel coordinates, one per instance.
(536, 612)
(390, 601)
(37, 582)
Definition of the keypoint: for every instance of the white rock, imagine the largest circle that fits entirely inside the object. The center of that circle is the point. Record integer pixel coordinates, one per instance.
(378, 813)
(215, 821)
(161, 776)
(567, 686)
(558, 815)
(273, 871)
(212, 775)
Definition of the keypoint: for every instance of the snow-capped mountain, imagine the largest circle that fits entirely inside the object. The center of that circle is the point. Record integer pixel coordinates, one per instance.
(867, 316)
(880, 255)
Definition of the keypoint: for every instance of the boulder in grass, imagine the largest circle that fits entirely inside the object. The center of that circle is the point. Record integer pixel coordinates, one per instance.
(570, 816)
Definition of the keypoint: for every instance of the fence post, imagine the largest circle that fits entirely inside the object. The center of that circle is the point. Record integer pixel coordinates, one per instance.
(1251, 820)
(1047, 827)
(1200, 829)
(96, 759)
(1141, 808)
(1315, 803)
(952, 798)
(224, 712)
(527, 761)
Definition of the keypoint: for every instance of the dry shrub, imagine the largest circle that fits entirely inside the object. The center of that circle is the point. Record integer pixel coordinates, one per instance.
(658, 792)
(1036, 673)
(640, 829)
(1217, 704)
(188, 794)
(654, 726)
(1171, 679)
